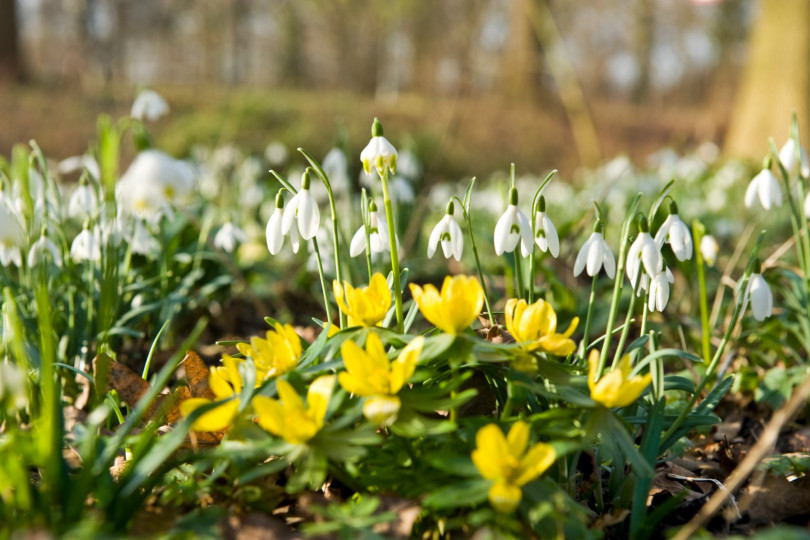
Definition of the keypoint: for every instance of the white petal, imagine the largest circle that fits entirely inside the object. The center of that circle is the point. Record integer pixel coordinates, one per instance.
(770, 194)
(289, 214)
(526, 243)
(294, 239)
(503, 237)
(457, 239)
(358, 244)
(583, 256)
(663, 232)
(309, 217)
(751, 191)
(761, 297)
(608, 261)
(807, 206)
(435, 235)
(275, 238)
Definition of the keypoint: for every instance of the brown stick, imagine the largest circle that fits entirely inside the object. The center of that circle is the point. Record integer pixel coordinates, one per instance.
(763, 447)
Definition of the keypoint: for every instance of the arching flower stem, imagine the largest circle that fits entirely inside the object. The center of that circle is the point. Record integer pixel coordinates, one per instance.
(535, 203)
(364, 211)
(698, 231)
(335, 243)
(465, 212)
(617, 285)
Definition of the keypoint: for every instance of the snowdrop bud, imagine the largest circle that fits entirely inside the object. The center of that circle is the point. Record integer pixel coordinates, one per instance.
(545, 234)
(709, 249)
(764, 186)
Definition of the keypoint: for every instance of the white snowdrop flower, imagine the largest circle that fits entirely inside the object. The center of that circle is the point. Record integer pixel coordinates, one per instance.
(595, 254)
(336, 166)
(449, 234)
(377, 235)
(85, 247)
(12, 235)
(709, 249)
(149, 106)
(759, 294)
(513, 226)
(228, 236)
(83, 203)
(76, 164)
(302, 210)
(644, 251)
(43, 248)
(143, 241)
(274, 230)
(675, 233)
(545, 234)
(378, 153)
(765, 186)
(153, 183)
(787, 155)
(659, 290)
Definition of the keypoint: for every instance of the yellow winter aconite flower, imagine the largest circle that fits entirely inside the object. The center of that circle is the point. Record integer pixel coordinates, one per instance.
(370, 374)
(276, 355)
(535, 327)
(455, 308)
(366, 306)
(225, 382)
(289, 417)
(615, 388)
(507, 461)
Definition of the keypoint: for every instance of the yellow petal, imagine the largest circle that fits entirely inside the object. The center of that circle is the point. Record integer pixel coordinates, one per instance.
(608, 391)
(557, 344)
(593, 366)
(232, 368)
(512, 314)
(219, 386)
(288, 396)
(632, 390)
(354, 384)
(355, 359)
(537, 460)
(504, 497)
(518, 438)
(572, 327)
(405, 364)
(490, 452)
(217, 419)
(318, 395)
(376, 355)
(269, 414)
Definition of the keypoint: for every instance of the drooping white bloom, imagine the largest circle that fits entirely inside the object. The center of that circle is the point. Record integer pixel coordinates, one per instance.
(594, 254)
(675, 233)
(513, 226)
(85, 247)
(276, 154)
(545, 234)
(149, 105)
(644, 251)
(764, 186)
(787, 155)
(43, 248)
(83, 203)
(759, 294)
(659, 290)
(378, 153)
(377, 235)
(274, 232)
(709, 249)
(12, 235)
(302, 210)
(228, 236)
(152, 184)
(449, 234)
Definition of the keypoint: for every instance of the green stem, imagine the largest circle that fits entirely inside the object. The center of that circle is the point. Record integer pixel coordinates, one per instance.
(392, 238)
(518, 272)
(617, 286)
(697, 235)
(364, 214)
(628, 319)
(477, 262)
(323, 279)
(587, 332)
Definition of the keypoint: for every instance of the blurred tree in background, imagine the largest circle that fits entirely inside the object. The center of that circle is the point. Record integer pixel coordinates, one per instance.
(11, 64)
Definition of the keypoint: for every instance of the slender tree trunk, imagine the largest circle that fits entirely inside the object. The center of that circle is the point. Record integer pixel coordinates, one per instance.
(11, 64)
(776, 80)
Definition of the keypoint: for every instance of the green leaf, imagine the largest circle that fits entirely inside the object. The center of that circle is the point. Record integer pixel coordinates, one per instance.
(459, 494)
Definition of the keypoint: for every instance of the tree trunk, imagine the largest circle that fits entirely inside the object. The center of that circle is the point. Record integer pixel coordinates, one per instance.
(11, 65)
(775, 82)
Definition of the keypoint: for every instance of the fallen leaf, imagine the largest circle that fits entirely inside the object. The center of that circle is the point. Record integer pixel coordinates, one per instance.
(197, 376)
